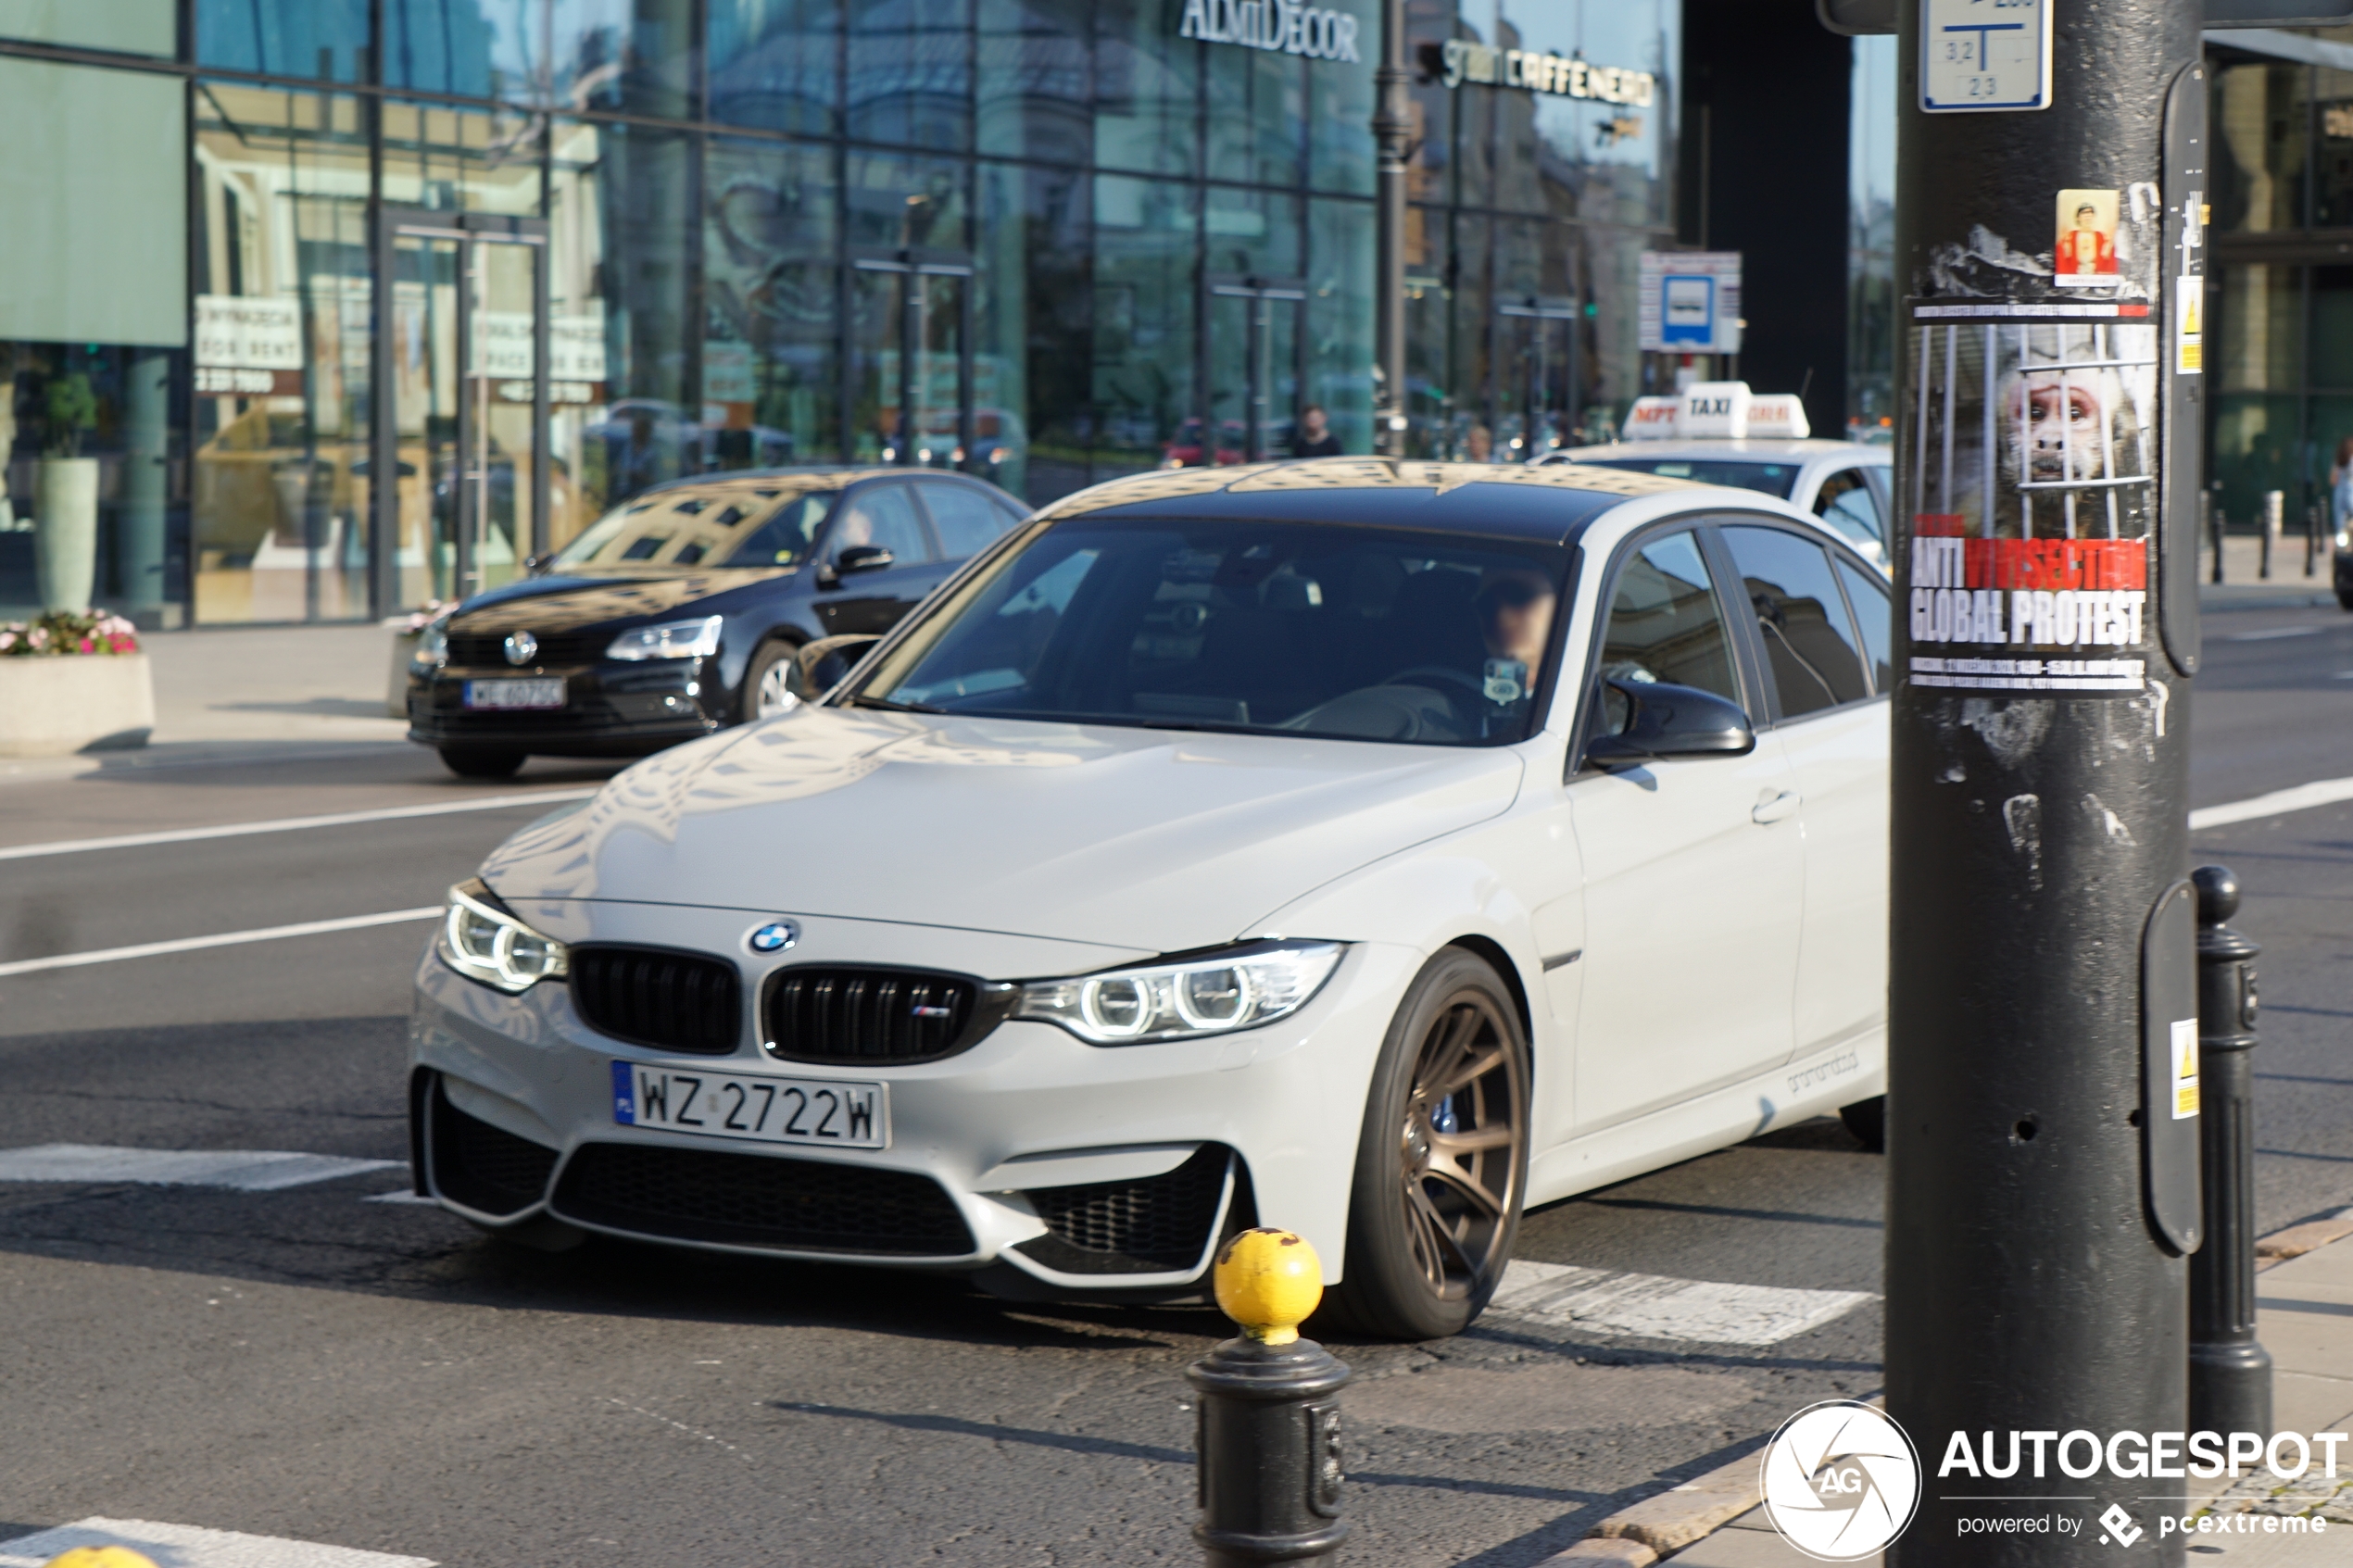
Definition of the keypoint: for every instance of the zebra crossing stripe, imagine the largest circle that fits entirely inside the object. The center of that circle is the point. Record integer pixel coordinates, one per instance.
(242, 1169)
(1603, 1301)
(185, 1545)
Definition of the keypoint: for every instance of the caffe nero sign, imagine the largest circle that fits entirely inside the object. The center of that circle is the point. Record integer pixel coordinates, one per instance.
(1277, 26)
(1459, 61)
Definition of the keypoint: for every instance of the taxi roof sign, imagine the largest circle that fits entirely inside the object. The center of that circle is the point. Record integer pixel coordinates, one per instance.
(1718, 410)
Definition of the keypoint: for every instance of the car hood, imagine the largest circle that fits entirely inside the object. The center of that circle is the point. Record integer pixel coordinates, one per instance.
(571, 602)
(1154, 839)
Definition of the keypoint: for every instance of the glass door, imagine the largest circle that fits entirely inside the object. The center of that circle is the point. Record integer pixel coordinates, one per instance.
(466, 444)
(911, 350)
(1253, 380)
(1537, 376)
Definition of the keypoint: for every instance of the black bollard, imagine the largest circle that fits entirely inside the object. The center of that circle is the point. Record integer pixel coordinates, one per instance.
(1269, 1454)
(2230, 1373)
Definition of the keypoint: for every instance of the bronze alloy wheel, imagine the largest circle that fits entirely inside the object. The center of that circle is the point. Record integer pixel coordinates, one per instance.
(1464, 1146)
(1442, 1159)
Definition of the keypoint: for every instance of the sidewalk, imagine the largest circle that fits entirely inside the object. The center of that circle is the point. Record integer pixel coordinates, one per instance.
(258, 692)
(2303, 1302)
(2243, 588)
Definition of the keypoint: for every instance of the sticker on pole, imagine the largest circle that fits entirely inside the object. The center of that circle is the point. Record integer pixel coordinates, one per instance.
(1983, 56)
(2185, 1104)
(1841, 1481)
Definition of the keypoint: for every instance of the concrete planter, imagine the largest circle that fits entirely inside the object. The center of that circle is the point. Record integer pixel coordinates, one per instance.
(75, 702)
(64, 530)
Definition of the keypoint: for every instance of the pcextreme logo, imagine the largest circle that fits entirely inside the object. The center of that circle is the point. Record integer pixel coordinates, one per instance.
(1841, 1481)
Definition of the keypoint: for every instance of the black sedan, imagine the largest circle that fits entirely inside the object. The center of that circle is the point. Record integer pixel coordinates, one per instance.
(679, 612)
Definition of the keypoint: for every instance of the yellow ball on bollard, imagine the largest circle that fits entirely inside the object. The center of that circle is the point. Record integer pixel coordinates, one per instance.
(1268, 1281)
(100, 1557)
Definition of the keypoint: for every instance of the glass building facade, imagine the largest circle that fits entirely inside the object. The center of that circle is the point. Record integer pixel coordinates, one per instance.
(352, 304)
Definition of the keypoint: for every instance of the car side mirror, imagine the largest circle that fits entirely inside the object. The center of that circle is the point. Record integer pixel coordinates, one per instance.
(862, 557)
(848, 648)
(1665, 722)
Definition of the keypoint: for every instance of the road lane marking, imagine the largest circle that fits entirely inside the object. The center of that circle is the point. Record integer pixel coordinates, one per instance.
(288, 824)
(225, 939)
(241, 1170)
(2274, 634)
(185, 1545)
(2303, 798)
(1607, 1302)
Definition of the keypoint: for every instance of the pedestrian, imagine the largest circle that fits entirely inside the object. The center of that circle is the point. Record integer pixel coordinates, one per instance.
(2341, 487)
(1313, 436)
(1478, 447)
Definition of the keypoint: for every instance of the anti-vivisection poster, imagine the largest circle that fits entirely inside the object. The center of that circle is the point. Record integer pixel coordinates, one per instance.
(2033, 474)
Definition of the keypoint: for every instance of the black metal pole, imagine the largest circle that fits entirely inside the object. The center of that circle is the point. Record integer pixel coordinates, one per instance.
(2230, 1372)
(1268, 1428)
(1393, 126)
(2039, 1203)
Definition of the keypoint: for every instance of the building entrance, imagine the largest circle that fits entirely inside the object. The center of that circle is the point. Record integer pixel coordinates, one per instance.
(911, 386)
(1254, 349)
(1537, 384)
(464, 371)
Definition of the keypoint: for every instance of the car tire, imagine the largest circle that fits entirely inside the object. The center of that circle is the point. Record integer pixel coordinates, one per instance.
(1868, 1121)
(482, 761)
(1439, 1176)
(767, 681)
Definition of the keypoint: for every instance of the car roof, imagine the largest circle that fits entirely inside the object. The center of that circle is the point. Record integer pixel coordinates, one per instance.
(1519, 501)
(804, 476)
(1763, 449)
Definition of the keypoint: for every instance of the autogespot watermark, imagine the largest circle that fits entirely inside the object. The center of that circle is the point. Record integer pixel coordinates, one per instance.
(1841, 1481)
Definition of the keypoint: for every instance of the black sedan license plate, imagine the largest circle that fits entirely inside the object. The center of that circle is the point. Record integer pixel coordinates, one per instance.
(728, 1105)
(515, 694)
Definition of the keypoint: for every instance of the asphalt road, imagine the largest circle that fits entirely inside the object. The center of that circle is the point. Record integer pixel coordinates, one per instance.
(309, 1363)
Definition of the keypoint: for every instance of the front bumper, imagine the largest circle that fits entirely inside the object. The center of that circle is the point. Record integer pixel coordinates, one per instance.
(611, 709)
(1032, 1160)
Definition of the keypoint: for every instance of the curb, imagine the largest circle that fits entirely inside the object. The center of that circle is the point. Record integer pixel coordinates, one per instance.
(1666, 1521)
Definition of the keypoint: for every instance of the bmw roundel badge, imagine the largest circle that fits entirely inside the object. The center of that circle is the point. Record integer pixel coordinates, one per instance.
(774, 937)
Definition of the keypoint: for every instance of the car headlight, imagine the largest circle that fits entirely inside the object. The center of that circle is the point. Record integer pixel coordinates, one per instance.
(2345, 539)
(433, 647)
(1239, 989)
(672, 639)
(482, 940)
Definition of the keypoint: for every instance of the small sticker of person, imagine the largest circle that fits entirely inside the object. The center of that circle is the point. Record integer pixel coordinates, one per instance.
(2086, 248)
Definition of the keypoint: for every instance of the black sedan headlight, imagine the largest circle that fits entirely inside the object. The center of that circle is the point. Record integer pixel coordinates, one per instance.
(1185, 999)
(482, 939)
(697, 638)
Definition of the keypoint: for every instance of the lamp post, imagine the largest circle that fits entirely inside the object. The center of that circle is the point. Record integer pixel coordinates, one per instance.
(2043, 1130)
(1393, 126)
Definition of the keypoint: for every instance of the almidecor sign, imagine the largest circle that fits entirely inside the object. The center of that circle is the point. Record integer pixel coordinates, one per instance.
(1277, 26)
(1563, 74)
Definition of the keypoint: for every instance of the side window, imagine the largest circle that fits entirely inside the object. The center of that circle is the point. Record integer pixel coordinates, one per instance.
(1810, 645)
(1846, 503)
(1665, 624)
(1868, 594)
(966, 521)
(884, 515)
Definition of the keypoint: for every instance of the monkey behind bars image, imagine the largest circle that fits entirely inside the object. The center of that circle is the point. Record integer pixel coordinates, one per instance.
(2074, 416)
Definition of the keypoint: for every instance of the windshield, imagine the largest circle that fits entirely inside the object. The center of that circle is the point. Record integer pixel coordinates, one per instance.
(1324, 630)
(733, 527)
(1740, 474)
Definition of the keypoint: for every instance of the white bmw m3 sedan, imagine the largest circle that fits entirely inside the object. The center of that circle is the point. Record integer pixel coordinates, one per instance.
(1370, 847)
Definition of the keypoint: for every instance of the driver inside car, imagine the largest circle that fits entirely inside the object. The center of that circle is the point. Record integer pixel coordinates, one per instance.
(1514, 606)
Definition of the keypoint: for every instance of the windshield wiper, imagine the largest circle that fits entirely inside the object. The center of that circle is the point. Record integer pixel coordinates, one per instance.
(859, 699)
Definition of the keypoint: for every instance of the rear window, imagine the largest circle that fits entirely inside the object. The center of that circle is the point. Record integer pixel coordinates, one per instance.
(1740, 474)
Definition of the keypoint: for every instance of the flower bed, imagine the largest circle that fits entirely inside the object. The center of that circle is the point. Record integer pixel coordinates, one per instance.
(73, 681)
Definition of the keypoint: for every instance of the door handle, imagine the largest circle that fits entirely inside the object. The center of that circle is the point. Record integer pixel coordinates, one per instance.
(1774, 805)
